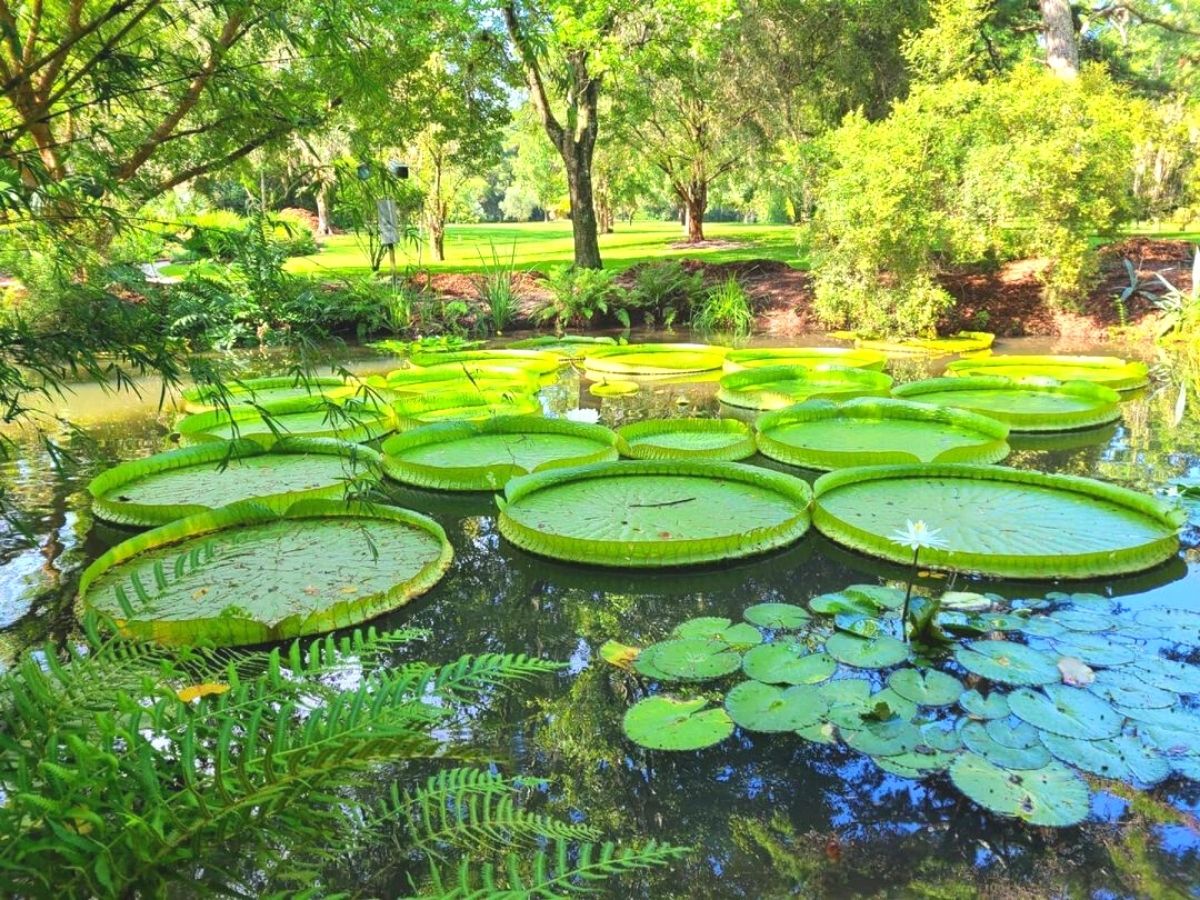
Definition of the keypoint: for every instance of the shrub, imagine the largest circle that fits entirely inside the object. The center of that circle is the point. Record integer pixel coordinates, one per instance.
(665, 291)
(1027, 164)
(213, 235)
(497, 289)
(725, 307)
(579, 295)
(292, 229)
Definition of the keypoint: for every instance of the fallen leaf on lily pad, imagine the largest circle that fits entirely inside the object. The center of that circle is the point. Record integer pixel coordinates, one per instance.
(619, 655)
(1076, 671)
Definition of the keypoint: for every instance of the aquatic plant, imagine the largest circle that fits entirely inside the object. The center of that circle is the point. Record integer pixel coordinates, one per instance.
(1032, 403)
(775, 387)
(649, 360)
(717, 439)
(1110, 371)
(1074, 684)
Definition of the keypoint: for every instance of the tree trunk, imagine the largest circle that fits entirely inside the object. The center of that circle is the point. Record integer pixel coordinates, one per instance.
(578, 157)
(323, 227)
(437, 239)
(1058, 30)
(695, 202)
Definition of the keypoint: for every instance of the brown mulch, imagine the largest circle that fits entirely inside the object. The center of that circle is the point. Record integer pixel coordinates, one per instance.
(713, 244)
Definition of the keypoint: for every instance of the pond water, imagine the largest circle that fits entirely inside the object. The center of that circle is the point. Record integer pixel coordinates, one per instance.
(768, 815)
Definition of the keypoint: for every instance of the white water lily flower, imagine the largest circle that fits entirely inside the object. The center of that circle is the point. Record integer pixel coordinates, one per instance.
(917, 535)
(590, 416)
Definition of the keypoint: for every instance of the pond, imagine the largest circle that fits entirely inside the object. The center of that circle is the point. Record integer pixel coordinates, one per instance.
(768, 815)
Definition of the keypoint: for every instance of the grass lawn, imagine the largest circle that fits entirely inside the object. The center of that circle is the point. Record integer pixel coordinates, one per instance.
(539, 245)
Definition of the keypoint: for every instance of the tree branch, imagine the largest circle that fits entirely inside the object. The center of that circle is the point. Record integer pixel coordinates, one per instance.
(533, 75)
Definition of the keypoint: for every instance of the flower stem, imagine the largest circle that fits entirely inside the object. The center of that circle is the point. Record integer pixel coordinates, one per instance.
(908, 593)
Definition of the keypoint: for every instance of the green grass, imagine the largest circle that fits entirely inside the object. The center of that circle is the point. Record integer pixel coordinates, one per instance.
(540, 245)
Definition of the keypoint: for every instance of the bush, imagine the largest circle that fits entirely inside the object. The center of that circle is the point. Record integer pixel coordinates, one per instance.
(725, 308)
(1027, 164)
(579, 295)
(496, 286)
(665, 291)
(213, 235)
(293, 228)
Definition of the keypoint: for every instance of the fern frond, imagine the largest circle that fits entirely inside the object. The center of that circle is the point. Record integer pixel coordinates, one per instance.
(471, 674)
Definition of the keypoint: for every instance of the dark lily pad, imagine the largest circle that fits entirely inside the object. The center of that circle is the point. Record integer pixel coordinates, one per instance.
(1052, 795)
(993, 706)
(688, 659)
(1007, 662)
(784, 662)
(764, 707)
(665, 723)
(842, 602)
(927, 687)
(862, 653)
(778, 616)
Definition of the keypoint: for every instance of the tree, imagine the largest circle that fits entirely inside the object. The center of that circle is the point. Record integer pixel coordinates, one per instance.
(1058, 31)
(535, 170)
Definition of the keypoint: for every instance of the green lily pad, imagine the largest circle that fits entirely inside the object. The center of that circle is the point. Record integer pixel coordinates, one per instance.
(926, 687)
(1083, 620)
(1122, 758)
(1043, 626)
(1094, 649)
(861, 626)
(1110, 371)
(1052, 795)
(863, 653)
(1174, 718)
(1013, 733)
(688, 659)
(1007, 662)
(941, 734)
(763, 707)
(841, 603)
(777, 616)
(784, 662)
(1168, 674)
(846, 692)
(975, 737)
(993, 706)
(917, 764)
(775, 387)
(1123, 688)
(713, 628)
(1169, 618)
(1173, 744)
(965, 601)
(890, 738)
(727, 439)
(821, 733)
(1069, 711)
(664, 723)
(896, 705)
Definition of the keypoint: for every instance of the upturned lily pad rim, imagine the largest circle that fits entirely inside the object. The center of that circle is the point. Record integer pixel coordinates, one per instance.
(761, 357)
(197, 399)
(235, 630)
(539, 361)
(489, 477)
(657, 554)
(750, 388)
(668, 359)
(364, 421)
(741, 443)
(484, 404)
(959, 342)
(1083, 565)
(568, 346)
(1118, 374)
(1105, 401)
(365, 460)
(990, 448)
(463, 378)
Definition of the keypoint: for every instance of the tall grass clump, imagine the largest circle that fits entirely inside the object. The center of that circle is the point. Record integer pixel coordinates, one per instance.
(725, 308)
(496, 287)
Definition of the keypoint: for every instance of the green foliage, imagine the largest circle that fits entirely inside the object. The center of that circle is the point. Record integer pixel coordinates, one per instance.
(665, 291)
(1181, 309)
(497, 287)
(577, 296)
(725, 307)
(1025, 164)
(128, 770)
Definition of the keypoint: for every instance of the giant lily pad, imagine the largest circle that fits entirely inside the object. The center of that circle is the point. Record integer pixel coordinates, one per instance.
(650, 360)
(1032, 404)
(664, 723)
(774, 387)
(481, 456)
(462, 378)
(961, 342)
(1069, 711)
(763, 707)
(654, 512)
(272, 389)
(819, 434)
(169, 486)
(998, 521)
(246, 573)
(536, 361)
(1052, 795)
(568, 346)
(428, 409)
(808, 357)
(1109, 371)
(1008, 663)
(720, 439)
(788, 662)
(349, 419)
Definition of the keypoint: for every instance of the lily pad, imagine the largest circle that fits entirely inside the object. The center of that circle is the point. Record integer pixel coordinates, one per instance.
(1167, 674)
(537, 361)
(654, 513)
(976, 738)
(1052, 795)
(713, 628)
(1109, 371)
(774, 387)
(271, 389)
(863, 653)
(720, 439)
(688, 659)
(777, 616)
(615, 388)
(1094, 649)
(346, 419)
(891, 738)
(664, 723)
(1123, 758)
(916, 764)
(784, 662)
(648, 360)
(808, 357)
(868, 431)
(1069, 711)
(1126, 688)
(1029, 405)
(993, 706)
(998, 521)
(960, 342)
(1008, 663)
(472, 406)
(763, 707)
(926, 687)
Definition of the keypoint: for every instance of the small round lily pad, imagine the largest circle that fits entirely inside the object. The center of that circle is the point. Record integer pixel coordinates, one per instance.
(688, 659)
(866, 653)
(977, 706)
(777, 616)
(665, 723)
(1069, 711)
(926, 687)
(1008, 662)
(717, 629)
(764, 707)
(1094, 649)
(975, 737)
(785, 662)
(1052, 795)
(890, 738)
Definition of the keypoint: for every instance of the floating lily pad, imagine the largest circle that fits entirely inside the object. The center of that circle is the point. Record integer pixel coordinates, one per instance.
(428, 409)
(538, 361)
(169, 486)
(965, 601)
(1125, 688)
(1069, 711)
(890, 738)
(784, 662)
(1007, 662)
(846, 692)
(1083, 620)
(247, 573)
(865, 599)
(993, 706)
(1123, 758)
(664, 723)
(1094, 649)
(1168, 674)
(917, 764)
(614, 388)
(688, 659)
(617, 654)
(819, 434)
(961, 342)
(998, 521)
(1109, 371)
(272, 389)
(808, 357)
(926, 687)
(821, 733)
(350, 419)
(763, 707)
(778, 616)
(484, 456)
(1035, 405)
(463, 378)
(656, 513)
(715, 628)
(721, 439)
(568, 346)
(863, 653)
(975, 737)
(775, 387)
(648, 360)
(1052, 795)
(887, 704)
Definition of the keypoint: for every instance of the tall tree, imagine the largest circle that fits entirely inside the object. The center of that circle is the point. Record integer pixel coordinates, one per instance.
(1058, 32)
